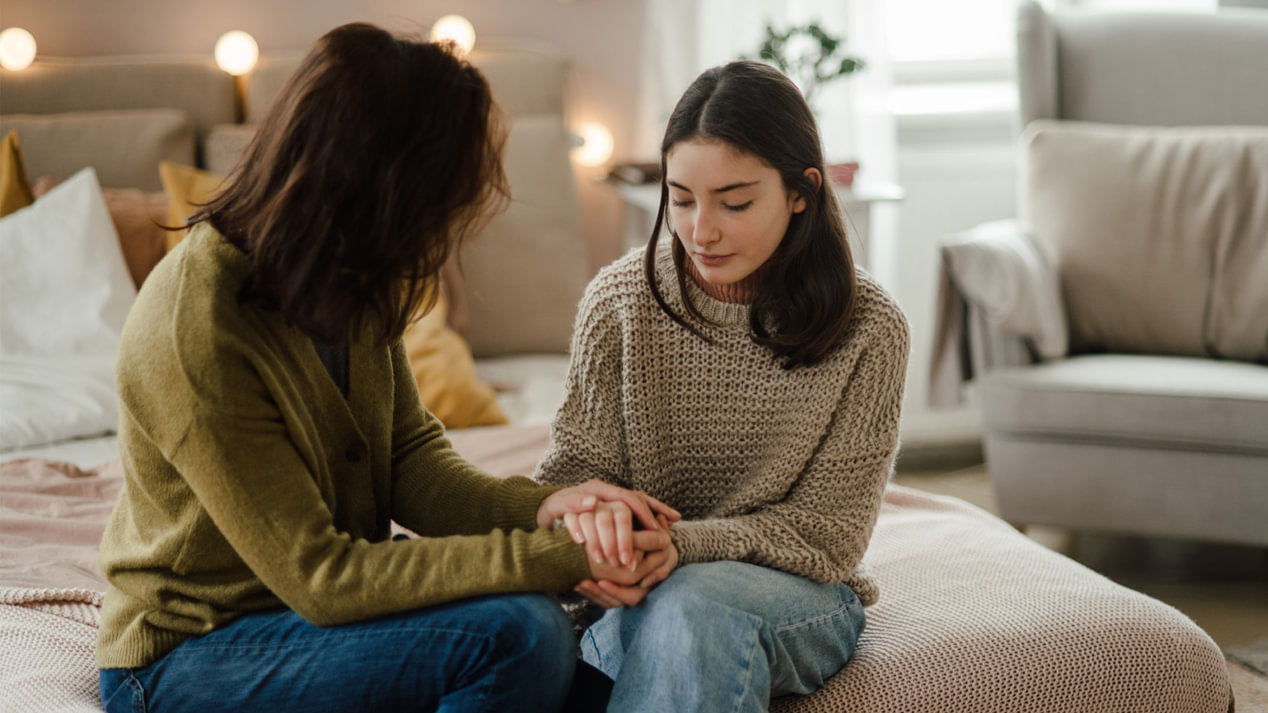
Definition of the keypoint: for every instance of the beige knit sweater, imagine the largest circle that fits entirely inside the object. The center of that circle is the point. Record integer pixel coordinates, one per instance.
(778, 468)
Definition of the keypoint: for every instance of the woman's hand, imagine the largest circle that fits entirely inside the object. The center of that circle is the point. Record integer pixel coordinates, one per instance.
(606, 531)
(573, 499)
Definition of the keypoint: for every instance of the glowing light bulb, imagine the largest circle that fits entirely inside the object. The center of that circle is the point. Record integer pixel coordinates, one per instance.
(17, 49)
(236, 52)
(596, 146)
(456, 29)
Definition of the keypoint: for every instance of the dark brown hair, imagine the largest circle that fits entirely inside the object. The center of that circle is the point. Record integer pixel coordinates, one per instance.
(805, 299)
(380, 154)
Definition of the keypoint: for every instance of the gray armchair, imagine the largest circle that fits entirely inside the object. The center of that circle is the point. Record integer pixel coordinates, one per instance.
(1118, 333)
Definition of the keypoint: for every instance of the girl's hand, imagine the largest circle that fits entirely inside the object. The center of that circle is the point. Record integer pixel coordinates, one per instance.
(584, 497)
(659, 574)
(609, 594)
(651, 551)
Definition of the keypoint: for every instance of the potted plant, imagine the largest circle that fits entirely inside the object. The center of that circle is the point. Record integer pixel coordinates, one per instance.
(811, 57)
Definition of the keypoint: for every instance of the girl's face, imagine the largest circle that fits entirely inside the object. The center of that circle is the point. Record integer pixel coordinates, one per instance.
(729, 209)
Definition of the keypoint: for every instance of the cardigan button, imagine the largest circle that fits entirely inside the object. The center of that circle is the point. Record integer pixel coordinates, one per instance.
(355, 452)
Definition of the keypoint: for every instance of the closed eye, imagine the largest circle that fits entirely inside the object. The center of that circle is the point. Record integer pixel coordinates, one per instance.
(681, 204)
(737, 208)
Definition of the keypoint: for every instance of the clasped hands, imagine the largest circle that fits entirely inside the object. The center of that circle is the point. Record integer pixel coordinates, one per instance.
(625, 562)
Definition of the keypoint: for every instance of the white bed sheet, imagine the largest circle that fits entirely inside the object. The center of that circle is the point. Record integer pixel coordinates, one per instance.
(530, 387)
(83, 452)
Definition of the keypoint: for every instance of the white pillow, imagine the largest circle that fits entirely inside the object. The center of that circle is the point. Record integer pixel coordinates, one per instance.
(64, 295)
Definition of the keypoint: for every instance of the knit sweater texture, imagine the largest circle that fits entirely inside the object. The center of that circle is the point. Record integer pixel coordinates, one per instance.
(253, 484)
(780, 468)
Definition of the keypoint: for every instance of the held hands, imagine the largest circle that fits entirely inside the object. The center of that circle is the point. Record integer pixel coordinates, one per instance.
(624, 562)
(602, 516)
(627, 586)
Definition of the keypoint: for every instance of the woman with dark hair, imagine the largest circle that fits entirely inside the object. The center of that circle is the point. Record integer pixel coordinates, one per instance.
(748, 375)
(271, 430)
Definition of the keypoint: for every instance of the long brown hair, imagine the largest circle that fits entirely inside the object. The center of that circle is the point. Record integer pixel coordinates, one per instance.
(380, 154)
(808, 285)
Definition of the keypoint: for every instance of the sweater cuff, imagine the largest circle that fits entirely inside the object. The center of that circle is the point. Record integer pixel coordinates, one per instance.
(517, 502)
(705, 541)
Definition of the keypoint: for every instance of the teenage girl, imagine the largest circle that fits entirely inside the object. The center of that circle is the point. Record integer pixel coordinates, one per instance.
(745, 373)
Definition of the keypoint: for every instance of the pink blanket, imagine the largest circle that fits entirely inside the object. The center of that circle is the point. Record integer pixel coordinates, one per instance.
(973, 616)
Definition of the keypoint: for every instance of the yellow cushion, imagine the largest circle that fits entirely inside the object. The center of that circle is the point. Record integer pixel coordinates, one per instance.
(15, 189)
(187, 189)
(446, 375)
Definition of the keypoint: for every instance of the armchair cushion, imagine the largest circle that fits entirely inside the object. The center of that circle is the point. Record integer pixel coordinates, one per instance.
(1151, 401)
(1158, 234)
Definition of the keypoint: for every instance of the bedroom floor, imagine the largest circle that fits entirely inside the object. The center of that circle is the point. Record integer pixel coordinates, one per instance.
(1223, 588)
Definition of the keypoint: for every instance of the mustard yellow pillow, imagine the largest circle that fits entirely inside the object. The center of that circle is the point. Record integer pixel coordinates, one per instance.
(15, 189)
(188, 189)
(446, 375)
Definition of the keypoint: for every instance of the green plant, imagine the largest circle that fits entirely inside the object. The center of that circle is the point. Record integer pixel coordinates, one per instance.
(808, 55)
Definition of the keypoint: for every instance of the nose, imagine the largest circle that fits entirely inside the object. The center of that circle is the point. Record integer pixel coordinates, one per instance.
(705, 230)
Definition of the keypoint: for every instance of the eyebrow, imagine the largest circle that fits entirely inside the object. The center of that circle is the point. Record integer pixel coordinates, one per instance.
(723, 189)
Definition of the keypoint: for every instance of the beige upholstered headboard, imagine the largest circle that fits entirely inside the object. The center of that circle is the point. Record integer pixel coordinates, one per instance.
(122, 115)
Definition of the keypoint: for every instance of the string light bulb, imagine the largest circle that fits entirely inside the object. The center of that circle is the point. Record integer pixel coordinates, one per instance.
(237, 52)
(456, 29)
(17, 49)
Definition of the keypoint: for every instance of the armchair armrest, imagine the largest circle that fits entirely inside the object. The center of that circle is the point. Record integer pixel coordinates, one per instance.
(999, 304)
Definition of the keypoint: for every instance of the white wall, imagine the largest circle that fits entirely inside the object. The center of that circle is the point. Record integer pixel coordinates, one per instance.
(957, 171)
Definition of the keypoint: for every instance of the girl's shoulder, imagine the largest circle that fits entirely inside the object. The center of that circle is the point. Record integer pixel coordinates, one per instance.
(619, 286)
(877, 317)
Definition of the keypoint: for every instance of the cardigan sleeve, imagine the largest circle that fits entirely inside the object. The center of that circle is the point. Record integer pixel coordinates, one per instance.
(587, 437)
(822, 527)
(435, 491)
(256, 488)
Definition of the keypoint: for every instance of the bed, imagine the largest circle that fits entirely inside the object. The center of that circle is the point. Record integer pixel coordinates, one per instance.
(973, 616)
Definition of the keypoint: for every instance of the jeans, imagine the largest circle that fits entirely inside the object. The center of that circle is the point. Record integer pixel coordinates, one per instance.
(507, 654)
(724, 636)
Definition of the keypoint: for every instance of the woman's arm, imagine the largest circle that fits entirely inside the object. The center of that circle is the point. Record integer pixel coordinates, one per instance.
(435, 491)
(259, 493)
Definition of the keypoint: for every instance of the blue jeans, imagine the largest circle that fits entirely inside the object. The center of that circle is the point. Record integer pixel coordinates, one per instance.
(506, 653)
(724, 636)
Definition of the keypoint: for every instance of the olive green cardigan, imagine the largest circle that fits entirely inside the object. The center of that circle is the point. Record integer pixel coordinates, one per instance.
(253, 484)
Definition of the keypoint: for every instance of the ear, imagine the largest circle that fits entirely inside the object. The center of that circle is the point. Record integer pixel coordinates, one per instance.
(799, 203)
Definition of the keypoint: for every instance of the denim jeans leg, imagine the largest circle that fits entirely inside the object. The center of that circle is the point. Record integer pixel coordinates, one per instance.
(512, 653)
(725, 636)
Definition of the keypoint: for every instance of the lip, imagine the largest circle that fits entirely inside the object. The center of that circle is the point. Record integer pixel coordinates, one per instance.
(712, 260)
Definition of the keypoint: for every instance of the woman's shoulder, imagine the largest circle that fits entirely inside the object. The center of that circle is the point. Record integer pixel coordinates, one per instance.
(197, 282)
(188, 304)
